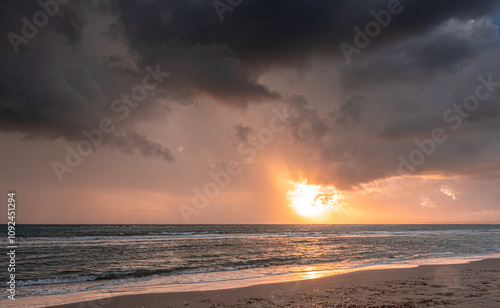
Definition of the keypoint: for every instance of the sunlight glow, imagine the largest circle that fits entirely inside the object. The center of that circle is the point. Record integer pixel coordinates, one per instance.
(314, 201)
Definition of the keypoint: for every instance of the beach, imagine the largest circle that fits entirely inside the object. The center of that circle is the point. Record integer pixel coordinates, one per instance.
(474, 284)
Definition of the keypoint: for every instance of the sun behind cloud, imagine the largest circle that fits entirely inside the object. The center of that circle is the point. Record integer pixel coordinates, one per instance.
(314, 201)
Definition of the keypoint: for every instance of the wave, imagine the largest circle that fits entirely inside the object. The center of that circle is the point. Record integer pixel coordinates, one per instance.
(172, 233)
(55, 280)
(205, 235)
(86, 278)
(143, 274)
(431, 255)
(128, 275)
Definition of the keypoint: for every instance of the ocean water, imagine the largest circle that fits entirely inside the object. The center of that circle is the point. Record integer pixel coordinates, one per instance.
(57, 259)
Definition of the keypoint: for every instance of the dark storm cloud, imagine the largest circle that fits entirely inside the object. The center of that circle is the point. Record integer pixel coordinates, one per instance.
(365, 138)
(278, 32)
(67, 22)
(304, 121)
(348, 113)
(402, 97)
(54, 88)
(224, 59)
(35, 95)
(414, 61)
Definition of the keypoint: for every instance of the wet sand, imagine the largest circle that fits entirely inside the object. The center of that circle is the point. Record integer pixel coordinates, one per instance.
(475, 284)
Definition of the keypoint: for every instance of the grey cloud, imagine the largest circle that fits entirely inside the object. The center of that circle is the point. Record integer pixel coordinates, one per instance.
(241, 133)
(223, 60)
(408, 76)
(264, 32)
(132, 142)
(348, 113)
(305, 123)
(54, 89)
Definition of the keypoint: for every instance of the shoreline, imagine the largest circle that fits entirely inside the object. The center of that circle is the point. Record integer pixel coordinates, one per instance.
(438, 284)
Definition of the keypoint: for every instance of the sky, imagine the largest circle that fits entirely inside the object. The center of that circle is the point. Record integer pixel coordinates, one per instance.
(250, 111)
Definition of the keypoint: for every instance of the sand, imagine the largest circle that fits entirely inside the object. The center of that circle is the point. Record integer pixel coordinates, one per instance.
(475, 284)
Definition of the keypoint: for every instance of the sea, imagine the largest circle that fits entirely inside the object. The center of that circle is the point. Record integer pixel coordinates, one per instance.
(63, 259)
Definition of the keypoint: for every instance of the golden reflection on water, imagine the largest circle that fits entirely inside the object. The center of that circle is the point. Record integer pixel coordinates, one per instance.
(313, 272)
(314, 275)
